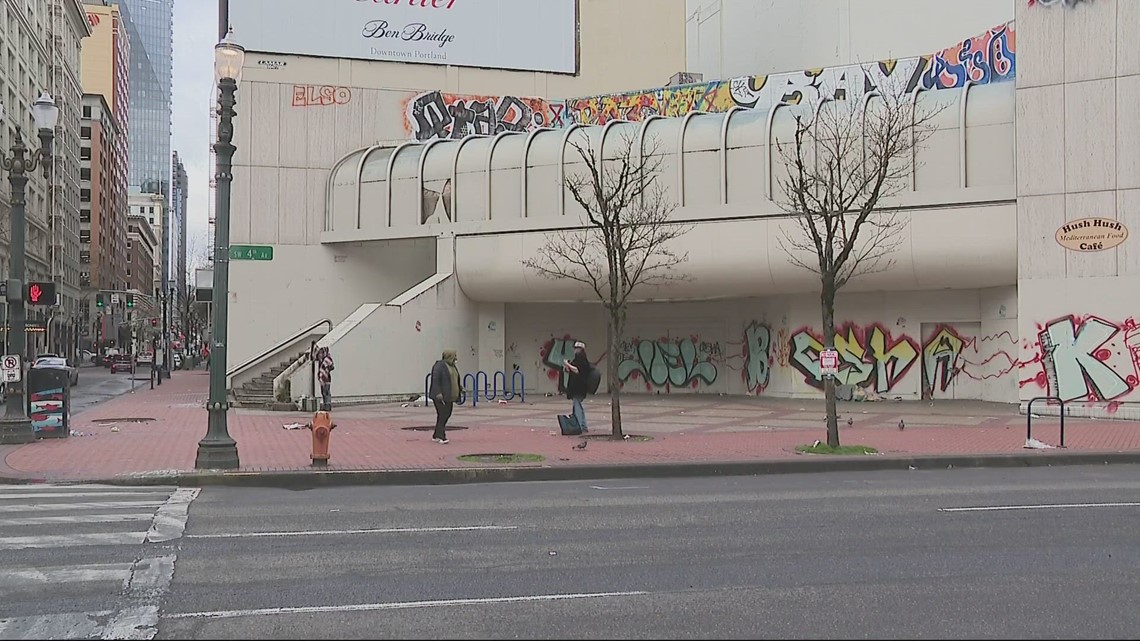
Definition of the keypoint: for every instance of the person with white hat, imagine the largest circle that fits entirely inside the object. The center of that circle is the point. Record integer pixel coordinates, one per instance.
(578, 384)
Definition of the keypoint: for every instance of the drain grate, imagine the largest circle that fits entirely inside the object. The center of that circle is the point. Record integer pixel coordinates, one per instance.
(133, 419)
(502, 458)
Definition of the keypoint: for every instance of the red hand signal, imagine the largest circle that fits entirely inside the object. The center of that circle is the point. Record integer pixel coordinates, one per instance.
(35, 293)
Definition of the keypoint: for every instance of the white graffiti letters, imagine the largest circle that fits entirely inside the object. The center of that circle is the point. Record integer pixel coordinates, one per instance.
(1071, 363)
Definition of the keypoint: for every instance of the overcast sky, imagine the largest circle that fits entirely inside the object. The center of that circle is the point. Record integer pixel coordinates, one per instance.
(195, 34)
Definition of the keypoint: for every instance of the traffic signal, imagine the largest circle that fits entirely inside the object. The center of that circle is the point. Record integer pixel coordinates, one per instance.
(41, 293)
(130, 300)
(154, 322)
(99, 299)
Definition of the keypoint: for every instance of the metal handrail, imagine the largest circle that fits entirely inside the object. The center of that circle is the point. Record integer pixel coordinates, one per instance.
(1029, 416)
(277, 346)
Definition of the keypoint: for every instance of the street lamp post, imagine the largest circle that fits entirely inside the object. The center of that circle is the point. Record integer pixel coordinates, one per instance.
(218, 450)
(15, 426)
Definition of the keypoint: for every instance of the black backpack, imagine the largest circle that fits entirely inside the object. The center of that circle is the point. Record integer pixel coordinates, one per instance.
(593, 380)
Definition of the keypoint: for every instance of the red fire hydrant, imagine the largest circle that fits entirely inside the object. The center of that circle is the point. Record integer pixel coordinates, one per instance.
(322, 426)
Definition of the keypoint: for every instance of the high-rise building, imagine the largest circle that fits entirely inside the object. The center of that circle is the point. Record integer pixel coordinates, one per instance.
(103, 154)
(150, 28)
(179, 199)
(41, 43)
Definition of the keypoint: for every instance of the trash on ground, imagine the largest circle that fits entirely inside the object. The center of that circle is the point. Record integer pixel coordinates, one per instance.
(296, 426)
(1034, 444)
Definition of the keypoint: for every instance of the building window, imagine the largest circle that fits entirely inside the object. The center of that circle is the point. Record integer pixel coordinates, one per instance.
(87, 109)
(85, 133)
(85, 153)
(84, 235)
(85, 173)
(84, 215)
(85, 195)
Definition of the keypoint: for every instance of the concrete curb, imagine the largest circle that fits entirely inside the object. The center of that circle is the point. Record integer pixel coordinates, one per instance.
(309, 479)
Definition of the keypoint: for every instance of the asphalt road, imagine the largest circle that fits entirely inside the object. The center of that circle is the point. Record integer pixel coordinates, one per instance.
(97, 384)
(1009, 553)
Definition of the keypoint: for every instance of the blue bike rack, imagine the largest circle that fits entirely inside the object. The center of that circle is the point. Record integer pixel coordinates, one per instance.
(489, 384)
(1029, 416)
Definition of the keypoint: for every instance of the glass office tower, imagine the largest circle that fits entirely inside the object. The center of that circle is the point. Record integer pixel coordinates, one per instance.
(151, 31)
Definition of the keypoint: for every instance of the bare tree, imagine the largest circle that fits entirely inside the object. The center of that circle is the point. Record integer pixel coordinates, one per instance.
(843, 161)
(626, 241)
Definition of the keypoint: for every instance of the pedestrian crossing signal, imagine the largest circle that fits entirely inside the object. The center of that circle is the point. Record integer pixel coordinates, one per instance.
(41, 293)
(130, 300)
(99, 300)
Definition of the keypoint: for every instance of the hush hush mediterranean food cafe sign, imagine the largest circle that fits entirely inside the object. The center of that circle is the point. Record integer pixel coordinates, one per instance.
(1091, 234)
(527, 35)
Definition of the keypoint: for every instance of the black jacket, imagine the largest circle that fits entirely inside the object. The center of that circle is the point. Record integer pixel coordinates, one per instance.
(576, 386)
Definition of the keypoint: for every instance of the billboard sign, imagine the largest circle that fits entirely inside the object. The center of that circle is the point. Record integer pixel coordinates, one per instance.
(526, 35)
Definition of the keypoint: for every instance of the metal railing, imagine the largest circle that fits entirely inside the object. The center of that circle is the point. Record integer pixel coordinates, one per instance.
(276, 347)
(1029, 417)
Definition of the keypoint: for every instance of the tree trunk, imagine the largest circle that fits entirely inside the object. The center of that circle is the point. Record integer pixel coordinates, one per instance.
(827, 300)
(613, 339)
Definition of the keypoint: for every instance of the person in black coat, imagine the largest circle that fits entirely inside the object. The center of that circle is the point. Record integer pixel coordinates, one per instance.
(577, 385)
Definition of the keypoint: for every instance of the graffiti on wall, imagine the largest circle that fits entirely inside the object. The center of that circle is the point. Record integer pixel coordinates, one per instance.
(434, 114)
(554, 353)
(320, 95)
(1049, 3)
(1086, 358)
(947, 355)
(989, 57)
(668, 363)
(757, 354)
(868, 356)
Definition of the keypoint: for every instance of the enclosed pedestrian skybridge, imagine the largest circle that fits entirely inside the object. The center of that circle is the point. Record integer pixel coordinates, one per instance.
(497, 194)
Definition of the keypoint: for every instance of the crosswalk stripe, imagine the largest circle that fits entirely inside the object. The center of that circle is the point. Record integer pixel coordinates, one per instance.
(72, 540)
(98, 505)
(68, 574)
(68, 495)
(42, 487)
(65, 625)
(87, 518)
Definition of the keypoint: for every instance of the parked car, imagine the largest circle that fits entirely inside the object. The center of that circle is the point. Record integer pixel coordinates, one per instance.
(51, 361)
(145, 358)
(121, 363)
(88, 357)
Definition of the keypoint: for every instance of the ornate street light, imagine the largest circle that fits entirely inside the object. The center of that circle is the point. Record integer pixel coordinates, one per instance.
(15, 426)
(218, 450)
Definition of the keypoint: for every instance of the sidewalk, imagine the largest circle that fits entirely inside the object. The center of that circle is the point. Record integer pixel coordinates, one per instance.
(686, 435)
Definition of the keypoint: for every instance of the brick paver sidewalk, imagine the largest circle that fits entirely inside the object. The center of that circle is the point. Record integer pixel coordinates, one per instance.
(111, 442)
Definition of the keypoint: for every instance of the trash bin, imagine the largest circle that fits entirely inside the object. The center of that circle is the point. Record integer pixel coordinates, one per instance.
(49, 402)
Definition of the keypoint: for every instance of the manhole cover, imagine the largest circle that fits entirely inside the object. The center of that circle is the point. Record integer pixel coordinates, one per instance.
(122, 420)
(431, 428)
(502, 458)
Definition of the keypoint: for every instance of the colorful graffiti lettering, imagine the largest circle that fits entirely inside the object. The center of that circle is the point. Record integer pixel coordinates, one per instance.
(867, 356)
(668, 363)
(440, 115)
(757, 353)
(320, 96)
(1088, 358)
(554, 352)
(944, 358)
(989, 57)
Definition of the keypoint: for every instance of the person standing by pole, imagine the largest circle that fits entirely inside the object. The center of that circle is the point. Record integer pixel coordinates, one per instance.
(444, 392)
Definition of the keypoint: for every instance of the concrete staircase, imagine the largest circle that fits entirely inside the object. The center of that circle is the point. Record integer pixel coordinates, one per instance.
(259, 391)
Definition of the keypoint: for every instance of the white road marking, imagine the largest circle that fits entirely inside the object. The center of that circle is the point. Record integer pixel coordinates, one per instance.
(631, 487)
(170, 520)
(67, 574)
(67, 495)
(65, 625)
(398, 605)
(87, 518)
(99, 505)
(392, 530)
(998, 508)
(71, 540)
